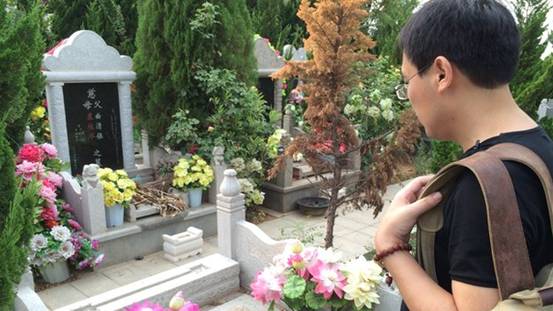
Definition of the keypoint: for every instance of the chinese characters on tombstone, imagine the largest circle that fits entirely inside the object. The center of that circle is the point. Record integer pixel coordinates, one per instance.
(93, 125)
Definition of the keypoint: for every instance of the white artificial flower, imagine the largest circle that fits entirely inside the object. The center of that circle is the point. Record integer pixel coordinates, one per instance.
(362, 282)
(349, 109)
(60, 233)
(373, 111)
(255, 166)
(238, 164)
(386, 104)
(245, 185)
(38, 242)
(388, 115)
(67, 249)
(329, 255)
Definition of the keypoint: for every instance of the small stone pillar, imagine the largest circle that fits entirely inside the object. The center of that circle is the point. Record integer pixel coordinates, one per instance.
(230, 210)
(92, 213)
(285, 176)
(145, 149)
(219, 166)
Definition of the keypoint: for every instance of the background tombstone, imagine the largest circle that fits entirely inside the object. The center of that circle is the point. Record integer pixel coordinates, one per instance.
(545, 109)
(268, 62)
(88, 93)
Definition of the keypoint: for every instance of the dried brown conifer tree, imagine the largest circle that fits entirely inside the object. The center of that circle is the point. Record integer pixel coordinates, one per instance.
(336, 44)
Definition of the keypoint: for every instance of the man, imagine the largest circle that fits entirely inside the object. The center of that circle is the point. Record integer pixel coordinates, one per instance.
(458, 58)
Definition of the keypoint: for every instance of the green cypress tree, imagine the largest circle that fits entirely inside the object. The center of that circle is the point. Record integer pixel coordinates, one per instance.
(130, 17)
(67, 16)
(30, 34)
(540, 87)
(386, 18)
(106, 19)
(174, 40)
(531, 15)
(15, 235)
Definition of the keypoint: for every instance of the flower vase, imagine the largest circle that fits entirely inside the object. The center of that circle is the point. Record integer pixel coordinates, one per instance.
(195, 197)
(114, 215)
(183, 195)
(55, 272)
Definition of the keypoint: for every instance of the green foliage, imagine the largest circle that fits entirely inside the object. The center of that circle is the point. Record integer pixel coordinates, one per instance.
(68, 16)
(240, 120)
(173, 43)
(15, 235)
(277, 21)
(540, 87)
(7, 182)
(547, 124)
(106, 19)
(443, 153)
(294, 287)
(386, 18)
(183, 129)
(526, 88)
(21, 45)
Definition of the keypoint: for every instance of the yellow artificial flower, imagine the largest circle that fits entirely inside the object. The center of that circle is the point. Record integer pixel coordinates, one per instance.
(121, 173)
(112, 176)
(38, 113)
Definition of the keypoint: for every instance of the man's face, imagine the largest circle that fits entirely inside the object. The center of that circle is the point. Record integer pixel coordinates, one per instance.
(422, 96)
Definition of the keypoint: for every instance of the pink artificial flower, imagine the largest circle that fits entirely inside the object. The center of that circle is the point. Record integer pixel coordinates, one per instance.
(95, 244)
(67, 207)
(267, 285)
(31, 153)
(50, 216)
(27, 170)
(76, 243)
(55, 179)
(50, 151)
(145, 306)
(47, 183)
(190, 307)
(48, 194)
(74, 224)
(329, 279)
(99, 259)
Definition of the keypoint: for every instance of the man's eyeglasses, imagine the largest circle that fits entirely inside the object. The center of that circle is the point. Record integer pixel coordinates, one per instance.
(401, 89)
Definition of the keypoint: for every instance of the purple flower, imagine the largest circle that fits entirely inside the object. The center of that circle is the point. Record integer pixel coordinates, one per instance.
(74, 224)
(84, 264)
(95, 244)
(66, 207)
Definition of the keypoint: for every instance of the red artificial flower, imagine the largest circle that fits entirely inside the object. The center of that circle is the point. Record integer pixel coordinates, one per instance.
(49, 184)
(31, 153)
(193, 149)
(50, 217)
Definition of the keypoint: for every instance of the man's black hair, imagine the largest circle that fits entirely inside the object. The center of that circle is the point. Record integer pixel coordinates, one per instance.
(479, 36)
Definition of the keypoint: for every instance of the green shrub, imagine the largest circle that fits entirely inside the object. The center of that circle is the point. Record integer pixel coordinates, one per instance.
(443, 153)
(15, 236)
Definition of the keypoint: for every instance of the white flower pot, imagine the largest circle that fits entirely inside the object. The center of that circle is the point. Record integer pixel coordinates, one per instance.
(55, 272)
(181, 194)
(195, 197)
(114, 215)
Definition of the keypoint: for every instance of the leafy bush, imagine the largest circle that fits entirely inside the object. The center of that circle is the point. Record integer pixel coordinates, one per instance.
(241, 121)
(443, 153)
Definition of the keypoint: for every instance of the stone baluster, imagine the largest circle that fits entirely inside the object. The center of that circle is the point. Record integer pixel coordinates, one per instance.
(219, 166)
(92, 204)
(145, 150)
(285, 176)
(230, 210)
(29, 138)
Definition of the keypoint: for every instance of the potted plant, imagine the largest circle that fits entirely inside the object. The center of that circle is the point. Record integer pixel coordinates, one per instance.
(118, 192)
(309, 278)
(193, 175)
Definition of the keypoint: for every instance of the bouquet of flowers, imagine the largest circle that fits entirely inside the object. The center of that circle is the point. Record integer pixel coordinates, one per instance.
(192, 173)
(177, 303)
(308, 278)
(58, 236)
(118, 187)
(38, 123)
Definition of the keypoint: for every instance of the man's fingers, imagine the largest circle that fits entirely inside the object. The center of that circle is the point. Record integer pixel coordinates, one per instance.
(425, 203)
(410, 192)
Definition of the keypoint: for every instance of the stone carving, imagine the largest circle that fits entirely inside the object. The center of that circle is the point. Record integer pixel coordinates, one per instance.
(183, 245)
(219, 155)
(90, 174)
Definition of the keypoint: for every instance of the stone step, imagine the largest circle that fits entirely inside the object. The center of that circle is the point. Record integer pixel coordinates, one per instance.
(243, 302)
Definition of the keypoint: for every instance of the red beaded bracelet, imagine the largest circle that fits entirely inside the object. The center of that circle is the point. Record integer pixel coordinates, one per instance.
(399, 247)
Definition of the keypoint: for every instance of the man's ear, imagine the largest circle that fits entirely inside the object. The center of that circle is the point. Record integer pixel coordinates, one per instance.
(443, 73)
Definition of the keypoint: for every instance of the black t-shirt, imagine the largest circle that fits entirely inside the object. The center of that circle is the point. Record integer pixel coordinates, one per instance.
(462, 246)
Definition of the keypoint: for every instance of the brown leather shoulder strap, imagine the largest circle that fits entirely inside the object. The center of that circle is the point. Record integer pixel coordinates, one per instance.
(521, 154)
(508, 244)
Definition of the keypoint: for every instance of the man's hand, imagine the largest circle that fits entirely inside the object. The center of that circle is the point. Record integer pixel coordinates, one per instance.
(403, 212)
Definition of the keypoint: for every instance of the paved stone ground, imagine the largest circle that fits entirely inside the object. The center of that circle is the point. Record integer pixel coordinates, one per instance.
(353, 235)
